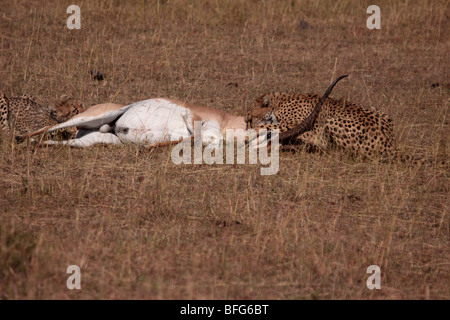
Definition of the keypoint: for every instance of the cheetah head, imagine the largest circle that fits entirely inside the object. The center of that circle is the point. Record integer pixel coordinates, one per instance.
(66, 107)
(259, 117)
(261, 113)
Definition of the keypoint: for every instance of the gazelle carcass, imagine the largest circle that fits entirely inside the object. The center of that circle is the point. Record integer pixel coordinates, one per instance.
(155, 122)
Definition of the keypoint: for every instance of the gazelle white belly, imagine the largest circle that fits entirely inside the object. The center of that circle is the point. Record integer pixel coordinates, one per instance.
(154, 120)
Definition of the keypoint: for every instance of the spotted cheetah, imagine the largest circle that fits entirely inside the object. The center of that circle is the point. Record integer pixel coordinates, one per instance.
(324, 122)
(66, 107)
(21, 115)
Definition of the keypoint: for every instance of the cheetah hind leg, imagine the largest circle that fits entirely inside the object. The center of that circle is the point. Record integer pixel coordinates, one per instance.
(314, 139)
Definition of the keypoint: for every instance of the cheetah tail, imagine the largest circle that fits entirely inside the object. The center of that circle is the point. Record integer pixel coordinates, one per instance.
(309, 121)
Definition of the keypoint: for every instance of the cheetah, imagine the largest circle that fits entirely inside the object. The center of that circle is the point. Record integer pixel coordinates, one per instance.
(20, 115)
(66, 107)
(324, 122)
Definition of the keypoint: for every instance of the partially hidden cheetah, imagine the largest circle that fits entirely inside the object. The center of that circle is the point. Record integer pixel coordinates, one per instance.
(21, 115)
(324, 122)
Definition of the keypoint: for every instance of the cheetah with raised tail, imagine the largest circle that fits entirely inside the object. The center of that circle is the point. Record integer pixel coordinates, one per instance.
(21, 115)
(324, 122)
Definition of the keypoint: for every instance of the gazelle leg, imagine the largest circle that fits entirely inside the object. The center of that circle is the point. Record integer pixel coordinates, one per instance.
(87, 138)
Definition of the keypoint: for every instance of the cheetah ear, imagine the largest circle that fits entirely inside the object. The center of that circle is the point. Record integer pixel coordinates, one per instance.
(266, 101)
(272, 118)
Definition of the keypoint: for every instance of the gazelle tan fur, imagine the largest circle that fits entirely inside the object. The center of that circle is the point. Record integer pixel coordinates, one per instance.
(224, 119)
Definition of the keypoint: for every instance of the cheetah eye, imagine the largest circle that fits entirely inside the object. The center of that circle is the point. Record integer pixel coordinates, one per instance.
(269, 135)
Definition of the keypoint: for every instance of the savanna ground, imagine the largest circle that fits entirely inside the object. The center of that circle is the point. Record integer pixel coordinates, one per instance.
(141, 227)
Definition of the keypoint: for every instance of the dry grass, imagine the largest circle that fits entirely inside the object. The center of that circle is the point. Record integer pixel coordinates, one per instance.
(142, 227)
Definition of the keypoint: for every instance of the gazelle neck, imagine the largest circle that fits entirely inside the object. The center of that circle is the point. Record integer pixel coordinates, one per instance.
(233, 122)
